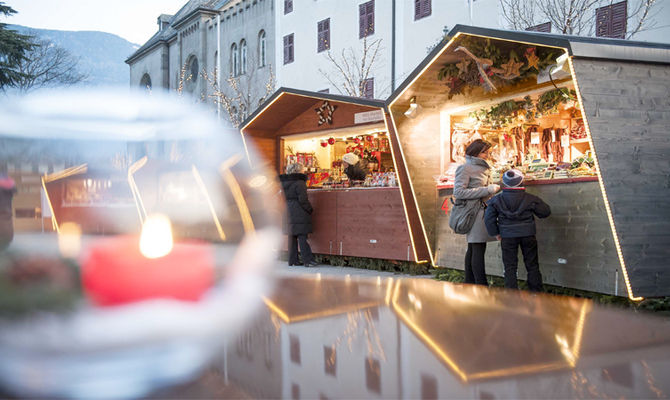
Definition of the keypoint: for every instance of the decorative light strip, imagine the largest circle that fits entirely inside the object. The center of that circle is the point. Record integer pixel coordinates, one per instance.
(79, 169)
(411, 186)
(402, 196)
(608, 209)
(203, 190)
(320, 314)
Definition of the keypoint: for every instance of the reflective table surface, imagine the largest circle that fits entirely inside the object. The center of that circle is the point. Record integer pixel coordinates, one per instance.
(331, 338)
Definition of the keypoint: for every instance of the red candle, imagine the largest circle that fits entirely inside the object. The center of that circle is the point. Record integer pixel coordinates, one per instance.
(115, 272)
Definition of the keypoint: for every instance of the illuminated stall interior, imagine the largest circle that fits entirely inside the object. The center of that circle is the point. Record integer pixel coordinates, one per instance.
(520, 91)
(365, 218)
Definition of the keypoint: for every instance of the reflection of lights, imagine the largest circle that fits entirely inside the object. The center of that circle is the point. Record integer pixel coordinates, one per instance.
(379, 280)
(54, 223)
(608, 209)
(570, 353)
(134, 189)
(205, 192)
(389, 291)
(156, 236)
(258, 181)
(318, 314)
(69, 240)
(318, 276)
(236, 191)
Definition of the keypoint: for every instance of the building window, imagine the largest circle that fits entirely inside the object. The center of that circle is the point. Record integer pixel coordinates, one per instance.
(194, 69)
(295, 391)
(234, 60)
(373, 375)
(288, 49)
(368, 88)
(191, 73)
(243, 57)
(366, 19)
(428, 387)
(611, 20)
(422, 9)
(294, 346)
(330, 360)
(323, 35)
(288, 6)
(262, 49)
(145, 82)
(546, 27)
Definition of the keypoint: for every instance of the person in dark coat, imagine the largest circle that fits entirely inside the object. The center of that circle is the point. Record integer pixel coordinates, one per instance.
(472, 182)
(7, 191)
(353, 169)
(510, 217)
(299, 223)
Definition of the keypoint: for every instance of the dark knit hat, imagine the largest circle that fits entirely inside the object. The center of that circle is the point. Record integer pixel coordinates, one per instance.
(512, 178)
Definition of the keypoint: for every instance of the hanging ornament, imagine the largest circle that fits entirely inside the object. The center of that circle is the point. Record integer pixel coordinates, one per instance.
(331, 141)
(324, 143)
(325, 113)
(357, 140)
(368, 138)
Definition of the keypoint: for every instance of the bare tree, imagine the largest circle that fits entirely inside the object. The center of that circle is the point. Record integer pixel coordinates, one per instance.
(352, 69)
(240, 95)
(572, 17)
(48, 65)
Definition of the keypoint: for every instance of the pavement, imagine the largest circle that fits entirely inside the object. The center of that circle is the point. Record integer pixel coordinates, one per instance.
(329, 270)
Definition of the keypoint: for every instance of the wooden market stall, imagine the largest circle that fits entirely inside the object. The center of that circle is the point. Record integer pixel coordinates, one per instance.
(585, 119)
(368, 219)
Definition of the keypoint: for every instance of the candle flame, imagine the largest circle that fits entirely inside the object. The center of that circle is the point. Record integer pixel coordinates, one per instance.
(69, 240)
(156, 237)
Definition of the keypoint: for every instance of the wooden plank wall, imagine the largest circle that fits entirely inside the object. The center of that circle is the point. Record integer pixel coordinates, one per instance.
(420, 141)
(577, 232)
(627, 106)
(360, 223)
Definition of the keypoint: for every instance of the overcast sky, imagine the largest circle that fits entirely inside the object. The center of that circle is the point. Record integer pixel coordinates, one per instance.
(133, 20)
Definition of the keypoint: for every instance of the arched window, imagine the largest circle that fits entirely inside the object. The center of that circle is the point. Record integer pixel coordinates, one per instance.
(243, 57)
(145, 82)
(234, 60)
(262, 49)
(191, 73)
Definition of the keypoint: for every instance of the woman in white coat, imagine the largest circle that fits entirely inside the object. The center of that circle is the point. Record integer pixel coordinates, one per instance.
(473, 181)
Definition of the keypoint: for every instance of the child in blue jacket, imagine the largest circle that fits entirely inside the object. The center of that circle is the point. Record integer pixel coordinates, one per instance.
(510, 217)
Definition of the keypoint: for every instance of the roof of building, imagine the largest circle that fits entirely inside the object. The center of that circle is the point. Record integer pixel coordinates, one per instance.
(185, 12)
(576, 46)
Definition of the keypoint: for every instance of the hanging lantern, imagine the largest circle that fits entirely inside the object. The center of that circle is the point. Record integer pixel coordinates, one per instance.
(357, 140)
(331, 141)
(324, 143)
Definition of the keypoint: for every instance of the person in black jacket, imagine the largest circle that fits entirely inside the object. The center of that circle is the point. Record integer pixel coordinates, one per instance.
(299, 223)
(510, 218)
(7, 191)
(353, 169)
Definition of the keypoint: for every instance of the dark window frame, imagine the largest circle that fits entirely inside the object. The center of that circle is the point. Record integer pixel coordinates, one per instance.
(289, 48)
(366, 19)
(422, 9)
(368, 91)
(545, 27)
(612, 20)
(323, 35)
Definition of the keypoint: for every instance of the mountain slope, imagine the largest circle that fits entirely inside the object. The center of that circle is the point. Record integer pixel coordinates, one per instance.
(101, 55)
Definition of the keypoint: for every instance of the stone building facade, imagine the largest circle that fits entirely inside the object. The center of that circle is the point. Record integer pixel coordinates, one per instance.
(207, 42)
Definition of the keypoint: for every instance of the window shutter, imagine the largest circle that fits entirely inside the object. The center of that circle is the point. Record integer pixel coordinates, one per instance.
(602, 21)
(417, 9)
(288, 6)
(427, 7)
(546, 27)
(326, 34)
(371, 17)
(369, 88)
(361, 21)
(619, 14)
(286, 49)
